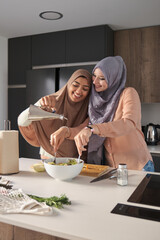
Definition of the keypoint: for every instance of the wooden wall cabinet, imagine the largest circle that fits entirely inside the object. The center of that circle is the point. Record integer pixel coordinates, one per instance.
(140, 49)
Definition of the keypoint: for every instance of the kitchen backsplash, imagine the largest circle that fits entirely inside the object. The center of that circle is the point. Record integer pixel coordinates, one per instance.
(150, 113)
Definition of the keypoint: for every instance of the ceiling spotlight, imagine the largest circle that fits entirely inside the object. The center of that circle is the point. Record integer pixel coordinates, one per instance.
(50, 15)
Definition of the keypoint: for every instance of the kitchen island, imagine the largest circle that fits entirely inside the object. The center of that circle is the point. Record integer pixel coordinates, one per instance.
(89, 216)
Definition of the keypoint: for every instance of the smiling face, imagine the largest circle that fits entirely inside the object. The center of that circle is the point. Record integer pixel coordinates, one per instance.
(99, 80)
(79, 89)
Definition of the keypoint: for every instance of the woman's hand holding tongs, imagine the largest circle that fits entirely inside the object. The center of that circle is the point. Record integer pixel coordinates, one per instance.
(57, 138)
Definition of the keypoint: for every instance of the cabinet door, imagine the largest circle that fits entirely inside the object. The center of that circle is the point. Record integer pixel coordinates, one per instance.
(88, 44)
(150, 64)
(140, 50)
(48, 48)
(156, 160)
(66, 72)
(19, 59)
(16, 104)
(40, 82)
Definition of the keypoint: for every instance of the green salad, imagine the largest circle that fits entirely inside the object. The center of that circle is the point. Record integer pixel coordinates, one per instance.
(71, 161)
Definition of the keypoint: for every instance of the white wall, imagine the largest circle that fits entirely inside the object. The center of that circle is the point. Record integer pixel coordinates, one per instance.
(3, 80)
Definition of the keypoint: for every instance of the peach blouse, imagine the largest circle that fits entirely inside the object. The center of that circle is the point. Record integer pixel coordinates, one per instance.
(124, 139)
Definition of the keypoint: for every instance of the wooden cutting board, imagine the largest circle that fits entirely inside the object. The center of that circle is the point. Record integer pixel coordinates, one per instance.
(92, 170)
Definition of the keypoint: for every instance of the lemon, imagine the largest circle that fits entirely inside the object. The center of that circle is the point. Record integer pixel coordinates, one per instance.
(38, 167)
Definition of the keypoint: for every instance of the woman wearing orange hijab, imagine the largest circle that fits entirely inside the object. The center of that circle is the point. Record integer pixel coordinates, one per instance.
(58, 135)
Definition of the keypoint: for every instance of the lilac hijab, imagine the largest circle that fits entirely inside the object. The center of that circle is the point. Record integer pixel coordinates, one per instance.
(103, 105)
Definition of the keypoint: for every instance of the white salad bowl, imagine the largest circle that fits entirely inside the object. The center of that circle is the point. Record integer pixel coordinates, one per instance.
(63, 172)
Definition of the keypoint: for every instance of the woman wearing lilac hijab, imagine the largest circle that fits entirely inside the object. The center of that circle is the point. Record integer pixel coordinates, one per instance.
(114, 134)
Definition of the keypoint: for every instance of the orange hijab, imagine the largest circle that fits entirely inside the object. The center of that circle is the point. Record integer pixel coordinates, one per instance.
(38, 132)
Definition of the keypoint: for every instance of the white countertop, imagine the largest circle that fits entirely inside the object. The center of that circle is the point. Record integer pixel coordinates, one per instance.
(154, 148)
(89, 217)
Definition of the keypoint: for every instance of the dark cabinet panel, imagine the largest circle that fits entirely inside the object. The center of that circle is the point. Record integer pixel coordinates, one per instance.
(88, 44)
(156, 160)
(66, 72)
(77, 45)
(48, 48)
(109, 41)
(16, 104)
(40, 82)
(19, 59)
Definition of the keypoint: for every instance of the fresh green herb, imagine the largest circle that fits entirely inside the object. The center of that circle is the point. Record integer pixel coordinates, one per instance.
(54, 201)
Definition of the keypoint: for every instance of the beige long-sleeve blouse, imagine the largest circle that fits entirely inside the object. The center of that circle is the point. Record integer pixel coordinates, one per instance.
(124, 139)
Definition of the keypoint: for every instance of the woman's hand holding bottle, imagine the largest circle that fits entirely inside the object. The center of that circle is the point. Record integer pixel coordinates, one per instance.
(48, 103)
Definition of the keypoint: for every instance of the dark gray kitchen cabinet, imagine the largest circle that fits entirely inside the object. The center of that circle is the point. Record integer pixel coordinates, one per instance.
(89, 44)
(156, 160)
(48, 48)
(19, 59)
(16, 104)
(71, 46)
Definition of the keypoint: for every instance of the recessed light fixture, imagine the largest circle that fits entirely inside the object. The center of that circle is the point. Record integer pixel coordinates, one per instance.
(50, 15)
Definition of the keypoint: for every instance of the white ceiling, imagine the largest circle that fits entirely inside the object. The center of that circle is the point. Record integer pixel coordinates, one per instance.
(21, 17)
